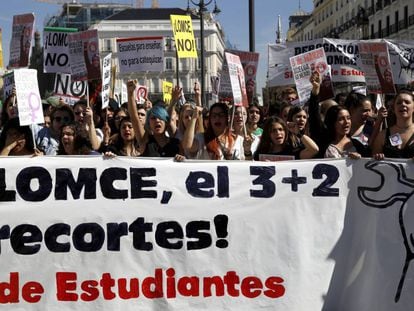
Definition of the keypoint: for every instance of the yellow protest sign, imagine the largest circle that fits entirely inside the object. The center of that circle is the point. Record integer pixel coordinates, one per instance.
(184, 36)
(167, 91)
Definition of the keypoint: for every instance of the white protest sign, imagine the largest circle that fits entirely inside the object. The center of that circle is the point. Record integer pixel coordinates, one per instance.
(215, 87)
(303, 65)
(106, 80)
(238, 84)
(56, 50)
(374, 60)
(141, 94)
(124, 92)
(20, 44)
(145, 234)
(140, 54)
(70, 91)
(76, 57)
(29, 102)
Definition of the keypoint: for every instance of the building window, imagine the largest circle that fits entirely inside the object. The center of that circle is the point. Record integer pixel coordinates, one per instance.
(379, 29)
(372, 31)
(387, 26)
(406, 16)
(108, 45)
(168, 44)
(168, 64)
(396, 21)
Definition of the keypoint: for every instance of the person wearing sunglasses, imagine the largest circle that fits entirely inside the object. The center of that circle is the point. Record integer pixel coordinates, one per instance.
(47, 139)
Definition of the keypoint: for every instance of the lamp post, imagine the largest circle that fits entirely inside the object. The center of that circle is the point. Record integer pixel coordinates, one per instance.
(202, 8)
(177, 63)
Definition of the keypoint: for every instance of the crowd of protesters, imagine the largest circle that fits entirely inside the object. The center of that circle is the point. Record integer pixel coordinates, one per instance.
(348, 126)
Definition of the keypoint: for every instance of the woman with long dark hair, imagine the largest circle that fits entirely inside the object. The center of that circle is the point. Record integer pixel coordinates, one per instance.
(275, 141)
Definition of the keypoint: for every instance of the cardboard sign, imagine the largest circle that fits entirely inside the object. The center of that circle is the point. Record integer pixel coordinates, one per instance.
(70, 91)
(90, 42)
(8, 84)
(237, 79)
(167, 91)
(374, 60)
(21, 41)
(184, 36)
(141, 54)
(77, 58)
(250, 62)
(106, 80)
(303, 65)
(29, 102)
(141, 94)
(56, 50)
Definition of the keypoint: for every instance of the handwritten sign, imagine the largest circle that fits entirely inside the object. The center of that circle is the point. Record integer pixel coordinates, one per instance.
(29, 102)
(184, 36)
(238, 84)
(106, 80)
(141, 54)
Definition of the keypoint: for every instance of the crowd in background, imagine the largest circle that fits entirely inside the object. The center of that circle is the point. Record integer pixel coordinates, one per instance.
(350, 125)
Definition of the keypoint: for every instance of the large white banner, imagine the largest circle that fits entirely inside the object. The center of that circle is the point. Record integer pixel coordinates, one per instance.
(83, 233)
(342, 56)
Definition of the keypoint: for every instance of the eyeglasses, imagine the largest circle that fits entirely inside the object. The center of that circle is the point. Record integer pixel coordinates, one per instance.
(59, 119)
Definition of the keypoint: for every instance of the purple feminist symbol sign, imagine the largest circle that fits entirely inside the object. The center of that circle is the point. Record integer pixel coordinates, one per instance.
(34, 104)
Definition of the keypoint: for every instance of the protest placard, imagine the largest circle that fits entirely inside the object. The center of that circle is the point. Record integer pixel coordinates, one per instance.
(21, 41)
(106, 79)
(215, 87)
(56, 50)
(29, 102)
(87, 233)
(238, 84)
(76, 57)
(70, 91)
(185, 43)
(374, 60)
(140, 54)
(8, 84)
(90, 43)
(167, 91)
(303, 65)
(342, 56)
(141, 94)
(249, 61)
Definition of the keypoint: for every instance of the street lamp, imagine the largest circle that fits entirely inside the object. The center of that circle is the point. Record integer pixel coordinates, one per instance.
(202, 8)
